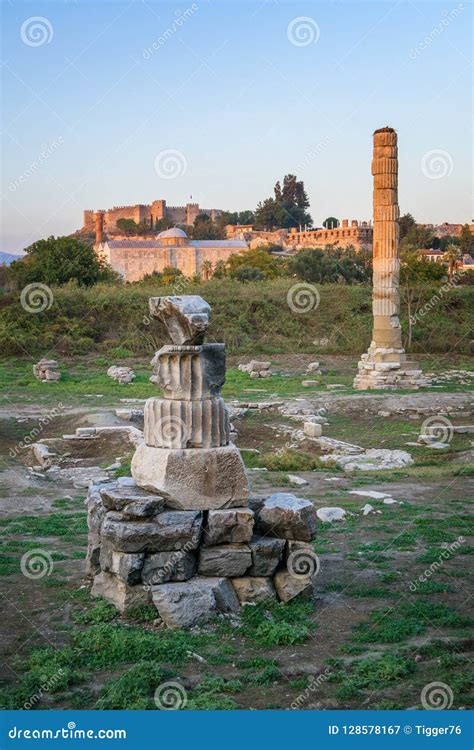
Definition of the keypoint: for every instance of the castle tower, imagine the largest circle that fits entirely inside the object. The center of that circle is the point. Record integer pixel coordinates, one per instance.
(385, 364)
(99, 227)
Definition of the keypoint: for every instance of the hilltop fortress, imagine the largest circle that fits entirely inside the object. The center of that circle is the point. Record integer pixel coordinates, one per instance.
(149, 214)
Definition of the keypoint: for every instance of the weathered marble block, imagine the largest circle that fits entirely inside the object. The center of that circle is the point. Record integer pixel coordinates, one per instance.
(288, 517)
(186, 424)
(162, 567)
(194, 602)
(288, 586)
(229, 526)
(224, 560)
(253, 590)
(117, 592)
(266, 554)
(119, 497)
(197, 479)
(170, 530)
(126, 566)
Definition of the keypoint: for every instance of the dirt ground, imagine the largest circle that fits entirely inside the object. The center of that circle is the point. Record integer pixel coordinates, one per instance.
(376, 634)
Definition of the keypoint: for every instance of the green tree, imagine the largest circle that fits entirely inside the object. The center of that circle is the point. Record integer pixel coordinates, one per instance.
(205, 229)
(247, 273)
(206, 268)
(171, 275)
(286, 209)
(269, 215)
(466, 240)
(417, 236)
(453, 255)
(406, 223)
(161, 225)
(260, 258)
(57, 261)
(416, 274)
(128, 227)
(331, 222)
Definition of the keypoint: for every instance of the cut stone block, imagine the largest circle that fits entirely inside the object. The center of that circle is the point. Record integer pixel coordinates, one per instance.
(311, 429)
(224, 560)
(121, 595)
(288, 517)
(266, 554)
(252, 590)
(288, 586)
(125, 565)
(168, 531)
(229, 526)
(168, 566)
(93, 555)
(194, 602)
(196, 479)
(132, 500)
(95, 510)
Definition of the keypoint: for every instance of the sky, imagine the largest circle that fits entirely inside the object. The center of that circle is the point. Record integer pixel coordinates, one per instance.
(115, 103)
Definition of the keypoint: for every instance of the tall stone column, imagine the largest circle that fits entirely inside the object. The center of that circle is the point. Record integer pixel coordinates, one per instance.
(385, 365)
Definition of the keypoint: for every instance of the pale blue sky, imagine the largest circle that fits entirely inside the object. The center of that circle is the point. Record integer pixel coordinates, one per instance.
(243, 104)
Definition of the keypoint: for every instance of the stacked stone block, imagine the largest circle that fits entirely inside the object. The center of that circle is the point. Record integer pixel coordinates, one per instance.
(179, 533)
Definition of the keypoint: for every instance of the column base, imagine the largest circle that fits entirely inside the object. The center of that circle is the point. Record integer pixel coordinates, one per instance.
(383, 368)
(195, 478)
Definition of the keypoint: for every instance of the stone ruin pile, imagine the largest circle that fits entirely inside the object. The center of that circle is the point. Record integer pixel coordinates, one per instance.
(181, 533)
(47, 370)
(123, 375)
(257, 369)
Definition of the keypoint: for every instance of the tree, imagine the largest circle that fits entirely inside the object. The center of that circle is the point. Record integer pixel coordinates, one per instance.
(416, 273)
(206, 229)
(331, 222)
(406, 222)
(466, 240)
(269, 265)
(247, 273)
(417, 236)
(58, 260)
(171, 275)
(128, 227)
(453, 255)
(161, 225)
(220, 270)
(286, 209)
(206, 268)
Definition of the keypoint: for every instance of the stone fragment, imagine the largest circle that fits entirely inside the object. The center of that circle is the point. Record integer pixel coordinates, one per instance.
(253, 590)
(313, 367)
(123, 375)
(131, 502)
(162, 567)
(190, 373)
(193, 478)
(170, 530)
(224, 560)
(47, 370)
(312, 429)
(309, 383)
(92, 566)
(186, 318)
(194, 602)
(120, 594)
(368, 508)
(229, 526)
(296, 481)
(288, 586)
(288, 517)
(328, 515)
(266, 554)
(370, 493)
(373, 459)
(126, 566)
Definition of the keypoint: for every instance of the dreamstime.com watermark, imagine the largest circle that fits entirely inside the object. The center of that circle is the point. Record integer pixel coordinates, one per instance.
(446, 554)
(36, 31)
(303, 298)
(313, 684)
(175, 25)
(170, 163)
(36, 164)
(436, 164)
(302, 31)
(436, 298)
(47, 684)
(36, 298)
(32, 435)
(449, 17)
(436, 696)
(166, 571)
(36, 564)
(170, 696)
(67, 733)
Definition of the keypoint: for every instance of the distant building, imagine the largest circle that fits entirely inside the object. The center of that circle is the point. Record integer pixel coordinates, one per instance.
(135, 258)
(433, 255)
(149, 214)
(358, 235)
(447, 230)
